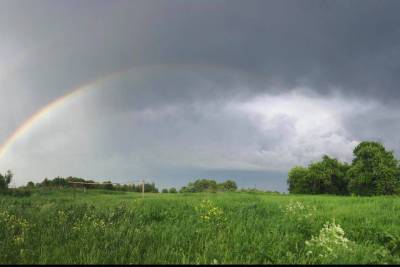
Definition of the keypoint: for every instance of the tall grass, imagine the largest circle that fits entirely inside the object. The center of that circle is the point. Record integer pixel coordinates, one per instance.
(96, 227)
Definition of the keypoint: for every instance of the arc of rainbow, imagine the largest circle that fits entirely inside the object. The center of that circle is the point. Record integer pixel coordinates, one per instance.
(34, 118)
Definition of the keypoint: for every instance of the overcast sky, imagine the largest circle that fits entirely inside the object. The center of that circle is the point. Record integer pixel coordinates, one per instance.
(204, 89)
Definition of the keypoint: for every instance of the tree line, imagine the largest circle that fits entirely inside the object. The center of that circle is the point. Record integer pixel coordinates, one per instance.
(373, 171)
(200, 185)
(73, 182)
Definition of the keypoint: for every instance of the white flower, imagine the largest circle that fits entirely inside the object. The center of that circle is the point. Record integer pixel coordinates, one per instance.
(331, 239)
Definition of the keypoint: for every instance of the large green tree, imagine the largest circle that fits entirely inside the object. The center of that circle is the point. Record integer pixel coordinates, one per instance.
(298, 180)
(327, 176)
(205, 185)
(228, 185)
(374, 170)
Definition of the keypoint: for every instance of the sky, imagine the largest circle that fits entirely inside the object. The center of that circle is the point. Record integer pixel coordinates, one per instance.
(172, 91)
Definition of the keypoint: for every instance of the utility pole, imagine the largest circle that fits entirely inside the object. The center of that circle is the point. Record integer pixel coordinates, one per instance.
(142, 188)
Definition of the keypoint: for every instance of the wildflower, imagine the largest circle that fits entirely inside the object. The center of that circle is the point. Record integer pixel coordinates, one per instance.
(330, 241)
(210, 213)
(62, 216)
(16, 226)
(298, 211)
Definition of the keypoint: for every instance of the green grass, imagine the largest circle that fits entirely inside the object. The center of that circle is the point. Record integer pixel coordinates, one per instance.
(114, 227)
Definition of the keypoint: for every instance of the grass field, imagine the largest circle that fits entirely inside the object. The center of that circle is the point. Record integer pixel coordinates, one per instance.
(209, 228)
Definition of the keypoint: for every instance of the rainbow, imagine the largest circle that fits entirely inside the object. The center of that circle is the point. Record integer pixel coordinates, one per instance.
(83, 88)
(34, 118)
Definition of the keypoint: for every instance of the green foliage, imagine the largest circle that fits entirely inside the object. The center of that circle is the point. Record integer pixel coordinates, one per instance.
(328, 176)
(205, 185)
(5, 180)
(210, 214)
(186, 189)
(257, 191)
(325, 176)
(60, 182)
(374, 171)
(173, 190)
(96, 227)
(208, 185)
(165, 190)
(228, 185)
(16, 192)
(298, 180)
(150, 188)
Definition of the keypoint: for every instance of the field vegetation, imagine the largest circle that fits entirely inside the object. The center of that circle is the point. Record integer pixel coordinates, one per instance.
(336, 212)
(102, 226)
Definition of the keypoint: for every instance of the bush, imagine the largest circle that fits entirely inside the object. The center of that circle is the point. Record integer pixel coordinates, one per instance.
(173, 190)
(16, 192)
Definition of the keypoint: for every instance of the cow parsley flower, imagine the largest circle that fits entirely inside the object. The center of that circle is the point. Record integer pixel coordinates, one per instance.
(330, 242)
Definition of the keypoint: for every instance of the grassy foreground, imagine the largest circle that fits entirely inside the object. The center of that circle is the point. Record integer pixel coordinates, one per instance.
(115, 227)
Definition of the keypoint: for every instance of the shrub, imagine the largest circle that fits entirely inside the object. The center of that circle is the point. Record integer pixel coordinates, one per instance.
(16, 192)
(330, 242)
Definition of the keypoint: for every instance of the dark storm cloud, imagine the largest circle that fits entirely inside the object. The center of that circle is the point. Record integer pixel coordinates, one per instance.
(203, 58)
(353, 45)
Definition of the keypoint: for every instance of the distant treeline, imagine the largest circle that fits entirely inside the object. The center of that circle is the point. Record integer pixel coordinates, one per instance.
(373, 171)
(200, 185)
(208, 185)
(73, 182)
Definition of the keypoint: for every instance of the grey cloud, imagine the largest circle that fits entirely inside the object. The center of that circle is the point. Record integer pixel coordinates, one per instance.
(208, 53)
(378, 123)
(321, 44)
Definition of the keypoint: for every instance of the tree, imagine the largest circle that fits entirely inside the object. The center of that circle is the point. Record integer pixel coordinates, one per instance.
(59, 182)
(148, 188)
(30, 184)
(165, 190)
(5, 180)
(107, 185)
(187, 189)
(173, 190)
(205, 185)
(228, 185)
(208, 185)
(374, 170)
(327, 176)
(183, 189)
(298, 180)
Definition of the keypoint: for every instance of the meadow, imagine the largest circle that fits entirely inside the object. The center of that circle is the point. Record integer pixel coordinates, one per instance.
(105, 227)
